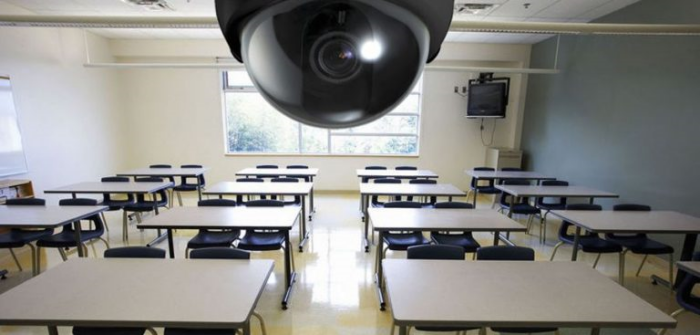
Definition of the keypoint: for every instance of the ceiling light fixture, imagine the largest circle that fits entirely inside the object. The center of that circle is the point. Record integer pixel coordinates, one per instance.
(151, 5)
(473, 8)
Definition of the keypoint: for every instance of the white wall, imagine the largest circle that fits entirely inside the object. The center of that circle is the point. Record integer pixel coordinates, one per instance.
(70, 116)
(175, 115)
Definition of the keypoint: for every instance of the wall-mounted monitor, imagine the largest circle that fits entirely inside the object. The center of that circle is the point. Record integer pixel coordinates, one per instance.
(487, 99)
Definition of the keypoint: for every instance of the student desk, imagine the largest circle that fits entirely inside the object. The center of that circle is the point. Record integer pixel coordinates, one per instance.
(168, 172)
(30, 217)
(512, 294)
(504, 175)
(277, 218)
(292, 189)
(630, 222)
(431, 219)
(107, 187)
(367, 190)
(310, 173)
(133, 293)
(400, 174)
(690, 267)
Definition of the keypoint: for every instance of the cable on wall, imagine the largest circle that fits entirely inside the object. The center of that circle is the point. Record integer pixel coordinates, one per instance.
(493, 133)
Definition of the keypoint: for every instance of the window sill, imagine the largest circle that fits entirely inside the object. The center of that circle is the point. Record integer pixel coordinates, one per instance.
(262, 154)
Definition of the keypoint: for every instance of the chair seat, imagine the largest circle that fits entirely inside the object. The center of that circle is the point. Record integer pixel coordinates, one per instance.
(115, 205)
(144, 206)
(487, 190)
(185, 188)
(187, 331)
(401, 241)
(17, 238)
(212, 238)
(522, 209)
(66, 238)
(261, 241)
(444, 329)
(523, 330)
(643, 246)
(552, 207)
(465, 240)
(107, 331)
(598, 245)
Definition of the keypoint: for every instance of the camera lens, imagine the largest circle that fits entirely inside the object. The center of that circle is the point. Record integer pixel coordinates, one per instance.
(334, 57)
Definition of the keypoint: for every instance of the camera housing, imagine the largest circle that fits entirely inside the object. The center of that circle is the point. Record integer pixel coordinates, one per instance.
(334, 63)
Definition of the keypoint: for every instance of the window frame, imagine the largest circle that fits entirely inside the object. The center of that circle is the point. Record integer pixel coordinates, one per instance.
(329, 132)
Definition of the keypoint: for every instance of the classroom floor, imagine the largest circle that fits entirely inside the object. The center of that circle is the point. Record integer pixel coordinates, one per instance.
(335, 292)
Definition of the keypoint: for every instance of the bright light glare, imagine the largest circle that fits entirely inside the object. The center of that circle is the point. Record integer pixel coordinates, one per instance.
(371, 50)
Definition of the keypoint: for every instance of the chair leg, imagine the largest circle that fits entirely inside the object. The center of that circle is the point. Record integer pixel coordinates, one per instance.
(393, 328)
(554, 252)
(105, 242)
(179, 198)
(139, 219)
(641, 265)
(34, 267)
(670, 271)
(64, 257)
(673, 315)
(530, 218)
(187, 253)
(596, 261)
(38, 258)
(151, 331)
(19, 266)
(104, 220)
(85, 249)
(262, 322)
(621, 276)
(125, 226)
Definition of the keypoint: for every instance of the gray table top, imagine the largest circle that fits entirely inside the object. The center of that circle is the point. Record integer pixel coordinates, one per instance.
(443, 219)
(188, 172)
(278, 172)
(133, 293)
(108, 187)
(690, 267)
(44, 216)
(396, 173)
(234, 188)
(446, 190)
(555, 191)
(512, 294)
(522, 175)
(282, 218)
(632, 222)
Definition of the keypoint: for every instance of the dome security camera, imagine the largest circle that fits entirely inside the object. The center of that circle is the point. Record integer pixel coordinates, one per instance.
(334, 63)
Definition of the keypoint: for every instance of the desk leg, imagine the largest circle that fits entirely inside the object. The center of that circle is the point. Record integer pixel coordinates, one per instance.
(246, 328)
(199, 190)
(512, 203)
(288, 274)
(496, 237)
(686, 255)
(171, 244)
(303, 234)
(74, 195)
(365, 201)
(595, 331)
(78, 238)
(476, 193)
(53, 330)
(380, 273)
(577, 237)
(312, 209)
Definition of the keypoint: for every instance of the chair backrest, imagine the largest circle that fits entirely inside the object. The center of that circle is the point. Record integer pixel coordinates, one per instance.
(25, 202)
(149, 180)
(375, 167)
(684, 292)
(134, 252)
(403, 204)
(387, 181)
(160, 166)
(559, 201)
(554, 183)
(284, 180)
(216, 203)
(632, 208)
(504, 200)
(162, 193)
(511, 169)
(219, 253)
(267, 166)
(516, 182)
(77, 202)
(200, 178)
(406, 168)
(250, 180)
(115, 179)
(436, 251)
(564, 227)
(453, 204)
(297, 166)
(505, 253)
(422, 181)
(482, 168)
(264, 203)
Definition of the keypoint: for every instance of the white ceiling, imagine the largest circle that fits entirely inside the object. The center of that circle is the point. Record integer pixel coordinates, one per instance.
(504, 10)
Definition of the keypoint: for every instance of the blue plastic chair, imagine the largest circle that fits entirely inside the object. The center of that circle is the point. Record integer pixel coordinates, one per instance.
(547, 206)
(210, 238)
(267, 166)
(187, 186)
(477, 186)
(296, 201)
(521, 207)
(431, 200)
(684, 294)
(264, 240)
(464, 240)
(299, 167)
(115, 204)
(17, 238)
(160, 199)
(239, 198)
(374, 202)
(372, 167)
(401, 241)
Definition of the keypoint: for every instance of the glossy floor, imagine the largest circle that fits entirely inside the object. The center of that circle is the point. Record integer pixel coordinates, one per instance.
(334, 293)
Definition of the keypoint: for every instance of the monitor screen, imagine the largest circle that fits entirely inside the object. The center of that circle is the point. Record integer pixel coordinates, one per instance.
(487, 100)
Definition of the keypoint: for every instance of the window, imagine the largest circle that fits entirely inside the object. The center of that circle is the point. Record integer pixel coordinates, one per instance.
(254, 126)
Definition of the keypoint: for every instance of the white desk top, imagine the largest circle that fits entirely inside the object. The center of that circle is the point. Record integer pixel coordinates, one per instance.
(107, 187)
(44, 216)
(139, 292)
(277, 172)
(224, 217)
(555, 191)
(233, 188)
(447, 190)
(691, 267)
(632, 222)
(396, 173)
(522, 175)
(512, 294)
(443, 219)
(188, 172)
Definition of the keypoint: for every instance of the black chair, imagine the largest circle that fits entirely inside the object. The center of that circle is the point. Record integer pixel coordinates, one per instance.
(508, 253)
(210, 238)
(401, 241)
(588, 242)
(267, 166)
(66, 238)
(511, 169)
(160, 199)
(684, 294)
(477, 186)
(430, 200)
(239, 198)
(297, 198)
(640, 244)
(17, 238)
(547, 205)
(521, 206)
(464, 240)
(187, 184)
(438, 252)
(215, 253)
(406, 168)
(264, 240)
(299, 167)
(123, 252)
(374, 202)
(372, 167)
(112, 203)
